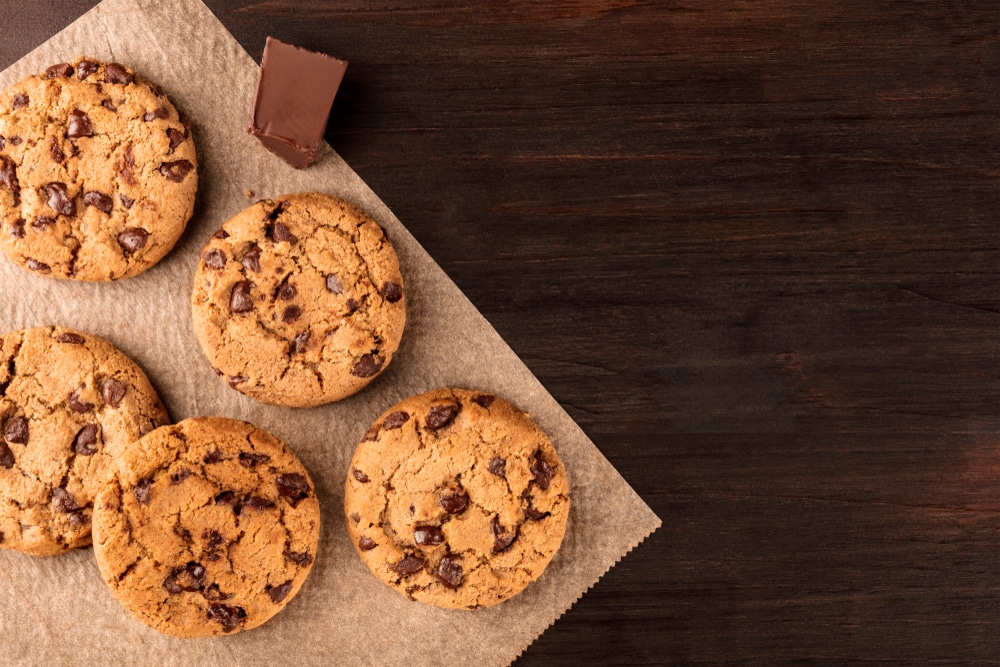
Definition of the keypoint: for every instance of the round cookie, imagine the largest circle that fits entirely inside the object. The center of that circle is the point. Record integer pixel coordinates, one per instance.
(97, 172)
(456, 498)
(69, 403)
(207, 527)
(299, 301)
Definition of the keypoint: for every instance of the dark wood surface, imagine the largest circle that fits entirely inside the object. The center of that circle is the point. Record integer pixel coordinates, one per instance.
(753, 249)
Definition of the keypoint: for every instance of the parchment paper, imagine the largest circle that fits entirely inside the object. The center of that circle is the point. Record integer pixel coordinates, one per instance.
(58, 611)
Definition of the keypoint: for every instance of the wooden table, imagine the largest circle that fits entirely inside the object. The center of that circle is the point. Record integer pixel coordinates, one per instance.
(752, 247)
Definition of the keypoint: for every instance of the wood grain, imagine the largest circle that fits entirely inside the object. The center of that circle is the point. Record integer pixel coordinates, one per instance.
(752, 247)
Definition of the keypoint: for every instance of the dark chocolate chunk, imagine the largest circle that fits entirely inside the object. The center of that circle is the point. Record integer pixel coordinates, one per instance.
(127, 165)
(240, 300)
(175, 137)
(55, 150)
(236, 379)
(109, 105)
(531, 514)
(254, 503)
(333, 285)
(449, 571)
(176, 171)
(59, 199)
(220, 233)
(251, 259)
(395, 420)
(428, 536)
(85, 68)
(143, 490)
(280, 233)
(213, 593)
(115, 73)
(20, 101)
(279, 592)
(71, 338)
(352, 306)
(355, 517)
(17, 228)
(189, 578)
(35, 265)
(15, 141)
(543, 474)
(214, 259)
(392, 292)
(358, 475)
(287, 292)
(293, 486)
(300, 558)
(63, 501)
(290, 314)
(367, 366)
(160, 112)
(440, 416)
(498, 467)
(98, 200)
(503, 540)
(85, 442)
(301, 343)
(228, 617)
(79, 125)
(42, 222)
(454, 501)
(364, 543)
(77, 405)
(410, 564)
(16, 430)
(226, 498)
(179, 476)
(483, 400)
(113, 392)
(6, 456)
(371, 435)
(212, 539)
(132, 240)
(8, 175)
(126, 201)
(60, 70)
(250, 459)
(213, 456)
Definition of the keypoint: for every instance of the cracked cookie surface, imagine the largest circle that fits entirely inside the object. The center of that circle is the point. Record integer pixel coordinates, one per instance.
(299, 301)
(97, 172)
(456, 498)
(69, 404)
(207, 527)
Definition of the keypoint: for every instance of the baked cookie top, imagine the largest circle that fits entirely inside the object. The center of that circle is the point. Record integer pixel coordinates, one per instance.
(69, 403)
(299, 301)
(456, 498)
(207, 527)
(97, 172)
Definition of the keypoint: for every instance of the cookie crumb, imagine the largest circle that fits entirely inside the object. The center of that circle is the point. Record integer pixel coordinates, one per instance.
(249, 194)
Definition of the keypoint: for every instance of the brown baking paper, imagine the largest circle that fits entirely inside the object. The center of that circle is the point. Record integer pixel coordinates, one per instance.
(58, 611)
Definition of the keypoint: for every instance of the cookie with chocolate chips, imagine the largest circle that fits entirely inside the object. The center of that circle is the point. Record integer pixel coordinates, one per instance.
(456, 498)
(299, 301)
(208, 527)
(97, 172)
(69, 404)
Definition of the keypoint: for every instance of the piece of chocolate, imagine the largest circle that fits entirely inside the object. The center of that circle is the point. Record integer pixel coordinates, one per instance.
(295, 90)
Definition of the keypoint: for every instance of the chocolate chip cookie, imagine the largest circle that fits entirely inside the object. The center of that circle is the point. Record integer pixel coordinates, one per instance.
(299, 301)
(456, 498)
(97, 172)
(207, 527)
(69, 403)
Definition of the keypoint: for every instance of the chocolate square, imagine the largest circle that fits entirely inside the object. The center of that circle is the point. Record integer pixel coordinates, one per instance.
(295, 90)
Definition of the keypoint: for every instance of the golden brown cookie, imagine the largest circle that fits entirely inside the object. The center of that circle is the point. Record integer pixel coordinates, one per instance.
(456, 498)
(69, 403)
(299, 301)
(97, 172)
(207, 527)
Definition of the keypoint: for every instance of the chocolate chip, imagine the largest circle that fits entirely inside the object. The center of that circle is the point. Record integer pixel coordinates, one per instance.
(161, 112)
(42, 222)
(79, 125)
(63, 501)
(132, 240)
(251, 259)
(113, 392)
(292, 486)
(17, 228)
(59, 199)
(449, 571)
(71, 338)
(35, 265)
(175, 137)
(55, 150)
(77, 520)
(371, 435)
(56, 71)
(408, 565)
(250, 459)
(189, 578)
(440, 416)
(333, 285)
(280, 232)
(228, 617)
(212, 593)
(15, 141)
(364, 543)
(226, 498)
(532, 514)
(214, 259)
(212, 539)
(502, 542)
(240, 300)
(428, 536)
(6, 456)
(355, 517)
(20, 101)
(287, 292)
(352, 306)
(301, 343)
(498, 467)
(126, 201)
(367, 366)
(484, 400)
(290, 314)
(16, 430)
(392, 292)
(85, 68)
(115, 73)
(143, 490)
(213, 456)
(109, 105)
(85, 442)
(543, 474)
(127, 165)
(300, 558)
(220, 234)
(179, 476)
(8, 174)
(279, 592)
(3, 142)
(454, 502)
(358, 475)
(98, 200)
(395, 420)
(236, 379)
(254, 503)
(176, 171)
